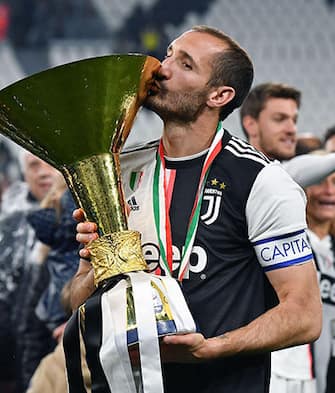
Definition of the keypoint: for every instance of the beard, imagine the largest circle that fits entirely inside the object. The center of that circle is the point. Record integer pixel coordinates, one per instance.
(179, 107)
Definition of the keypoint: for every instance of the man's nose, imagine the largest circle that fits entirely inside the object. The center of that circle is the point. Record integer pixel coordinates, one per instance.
(45, 170)
(330, 186)
(165, 71)
(292, 126)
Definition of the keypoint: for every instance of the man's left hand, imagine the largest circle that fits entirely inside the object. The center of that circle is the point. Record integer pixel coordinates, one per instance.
(188, 348)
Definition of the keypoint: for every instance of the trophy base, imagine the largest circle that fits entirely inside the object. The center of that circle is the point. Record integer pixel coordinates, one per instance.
(163, 310)
(164, 328)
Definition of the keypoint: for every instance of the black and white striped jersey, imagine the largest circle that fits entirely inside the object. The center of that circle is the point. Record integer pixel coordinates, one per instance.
(252, 220)
(324, 346)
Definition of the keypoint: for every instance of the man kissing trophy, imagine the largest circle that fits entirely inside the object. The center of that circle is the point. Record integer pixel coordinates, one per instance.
(77, 117)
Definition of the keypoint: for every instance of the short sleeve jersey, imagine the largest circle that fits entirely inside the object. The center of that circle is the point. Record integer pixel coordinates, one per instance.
(252, 220)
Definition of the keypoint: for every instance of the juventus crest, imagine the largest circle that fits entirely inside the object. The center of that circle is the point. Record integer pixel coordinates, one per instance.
(213, 197)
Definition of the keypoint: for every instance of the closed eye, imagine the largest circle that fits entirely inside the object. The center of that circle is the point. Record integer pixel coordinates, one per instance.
(187, 65)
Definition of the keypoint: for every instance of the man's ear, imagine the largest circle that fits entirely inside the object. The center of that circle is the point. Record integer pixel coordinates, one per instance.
(220, 96)
(250, 125)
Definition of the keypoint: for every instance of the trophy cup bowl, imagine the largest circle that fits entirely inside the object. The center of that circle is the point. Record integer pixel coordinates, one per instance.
(77, 117)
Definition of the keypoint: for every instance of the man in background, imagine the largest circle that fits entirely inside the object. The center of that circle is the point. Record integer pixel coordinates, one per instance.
(320, 219)
(9, 167)
(269, 121)
(18, 243)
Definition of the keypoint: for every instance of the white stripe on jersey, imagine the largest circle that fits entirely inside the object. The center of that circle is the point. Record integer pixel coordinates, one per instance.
(246, 155)
(244, 150)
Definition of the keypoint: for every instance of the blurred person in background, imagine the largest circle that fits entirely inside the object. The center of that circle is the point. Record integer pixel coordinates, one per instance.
(45, 316)
(62, 259)
(329, 139)
(38, 176)
(329, 145)
(307, 142)
(18, 245)
(310, 368)
(50, 375)
(9, 167)
(320, 218)
(269, 117)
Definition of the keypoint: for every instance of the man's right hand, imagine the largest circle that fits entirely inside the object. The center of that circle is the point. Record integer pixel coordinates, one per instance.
(83, 282)
(86, 231)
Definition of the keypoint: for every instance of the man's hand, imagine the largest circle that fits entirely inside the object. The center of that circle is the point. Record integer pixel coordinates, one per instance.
(83, 282)
(86, 231)
(184, 348)
(190, 348)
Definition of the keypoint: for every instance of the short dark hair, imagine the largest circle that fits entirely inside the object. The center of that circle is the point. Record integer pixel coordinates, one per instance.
(232, 67)
(330, 132)
(256, 99)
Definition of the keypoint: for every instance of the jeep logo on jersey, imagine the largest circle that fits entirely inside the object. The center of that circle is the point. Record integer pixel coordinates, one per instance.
(198, 259)
(327, 288)
(212, 196)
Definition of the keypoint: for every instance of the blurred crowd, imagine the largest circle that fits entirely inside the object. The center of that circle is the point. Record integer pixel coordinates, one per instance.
(35, 22)
(40, 256)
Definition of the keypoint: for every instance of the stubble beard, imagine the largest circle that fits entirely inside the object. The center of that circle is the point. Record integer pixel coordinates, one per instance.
(283, 154)
(178, 107)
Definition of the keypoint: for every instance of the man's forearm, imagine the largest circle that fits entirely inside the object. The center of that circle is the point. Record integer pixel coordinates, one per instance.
(283, 326)
(82, 284)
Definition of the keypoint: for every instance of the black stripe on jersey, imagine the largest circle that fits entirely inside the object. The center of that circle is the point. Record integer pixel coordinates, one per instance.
(244, 150)
(143, 146)
(245, 146)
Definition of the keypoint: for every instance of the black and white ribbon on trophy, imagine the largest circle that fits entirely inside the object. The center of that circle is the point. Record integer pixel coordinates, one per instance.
(102, 323)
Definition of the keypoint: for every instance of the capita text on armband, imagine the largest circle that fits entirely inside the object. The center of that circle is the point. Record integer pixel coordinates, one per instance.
(284, 250)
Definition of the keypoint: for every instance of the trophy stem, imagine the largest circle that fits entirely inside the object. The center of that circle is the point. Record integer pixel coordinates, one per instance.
(95, 182)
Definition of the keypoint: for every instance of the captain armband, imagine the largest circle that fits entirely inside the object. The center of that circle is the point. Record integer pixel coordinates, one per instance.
(284, 250)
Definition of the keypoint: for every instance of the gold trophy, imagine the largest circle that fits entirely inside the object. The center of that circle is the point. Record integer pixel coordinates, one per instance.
(77, 117)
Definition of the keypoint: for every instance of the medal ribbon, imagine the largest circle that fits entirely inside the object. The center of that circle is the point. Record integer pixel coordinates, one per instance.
(162, 192)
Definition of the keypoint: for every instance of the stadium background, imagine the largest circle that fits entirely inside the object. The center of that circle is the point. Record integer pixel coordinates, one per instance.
(291, 41)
